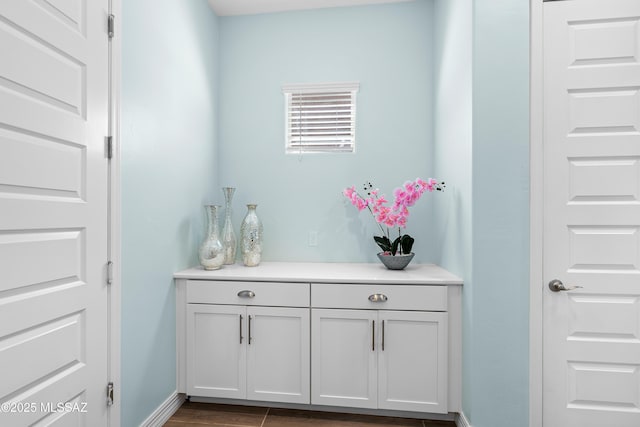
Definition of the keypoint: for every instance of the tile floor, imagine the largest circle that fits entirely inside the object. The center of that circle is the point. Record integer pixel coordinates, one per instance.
(208, 414)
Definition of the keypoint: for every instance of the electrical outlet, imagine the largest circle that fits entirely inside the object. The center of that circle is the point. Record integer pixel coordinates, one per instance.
(313, 238)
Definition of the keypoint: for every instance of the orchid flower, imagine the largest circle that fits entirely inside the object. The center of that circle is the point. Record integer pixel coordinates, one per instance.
(395, 215)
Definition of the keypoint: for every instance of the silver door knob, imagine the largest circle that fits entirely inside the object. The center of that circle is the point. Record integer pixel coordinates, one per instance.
(556, 286)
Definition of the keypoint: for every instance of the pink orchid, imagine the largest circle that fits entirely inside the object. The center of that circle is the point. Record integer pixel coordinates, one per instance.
(355, 199)
(383, 213)
(349, 191)
(395, 215)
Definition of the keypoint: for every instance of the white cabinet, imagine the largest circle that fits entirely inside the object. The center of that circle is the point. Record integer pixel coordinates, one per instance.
(245, 351)
(293, 333)
(412, 361)
(371, 358)
(344, 362)
(278, 354)
(216, 365)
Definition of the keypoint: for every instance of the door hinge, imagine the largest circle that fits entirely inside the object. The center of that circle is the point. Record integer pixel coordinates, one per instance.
(109, 147)
(109, 272)
(111, 25)
(110, 394)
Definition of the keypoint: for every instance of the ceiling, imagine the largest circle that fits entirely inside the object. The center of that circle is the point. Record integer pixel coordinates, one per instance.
(251, 7)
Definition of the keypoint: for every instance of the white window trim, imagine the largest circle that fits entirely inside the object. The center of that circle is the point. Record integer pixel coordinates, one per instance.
(319, 88)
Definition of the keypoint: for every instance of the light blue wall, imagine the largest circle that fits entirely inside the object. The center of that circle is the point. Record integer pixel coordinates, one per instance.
(388, 49)
(168, 171)
(497, 378)
(453, 130)
(482, 140)
(453, 155)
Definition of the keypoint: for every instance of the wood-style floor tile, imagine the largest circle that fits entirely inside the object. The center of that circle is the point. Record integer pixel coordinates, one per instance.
(203, 414)
(208, 414)
(428, 423)
(294, 418)
(183, 424)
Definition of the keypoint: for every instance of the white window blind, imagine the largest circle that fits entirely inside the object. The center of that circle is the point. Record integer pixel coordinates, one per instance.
(320, 117)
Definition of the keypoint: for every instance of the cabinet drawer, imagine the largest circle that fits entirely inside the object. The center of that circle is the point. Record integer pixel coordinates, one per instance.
(264, 293)
(398, 297)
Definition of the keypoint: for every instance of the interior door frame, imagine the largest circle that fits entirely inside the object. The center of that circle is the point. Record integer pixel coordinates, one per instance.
(114, 222)
(536, 210)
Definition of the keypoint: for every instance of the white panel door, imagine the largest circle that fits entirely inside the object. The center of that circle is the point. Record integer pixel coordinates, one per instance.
(53, 212)
(344, 358)
(278, 356)
(591, 353)
(412, 361)
(216, 351)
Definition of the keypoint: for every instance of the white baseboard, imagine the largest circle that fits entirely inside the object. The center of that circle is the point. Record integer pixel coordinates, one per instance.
(163, 412)
(461, 420)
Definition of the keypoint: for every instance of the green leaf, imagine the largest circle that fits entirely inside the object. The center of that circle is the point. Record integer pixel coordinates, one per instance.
(407, 244)
(394, 246)
(383, 242)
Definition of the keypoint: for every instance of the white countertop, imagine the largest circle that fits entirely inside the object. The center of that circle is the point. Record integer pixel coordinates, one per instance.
(320, 272)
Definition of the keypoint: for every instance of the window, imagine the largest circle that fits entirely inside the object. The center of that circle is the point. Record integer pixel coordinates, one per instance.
(320, 117)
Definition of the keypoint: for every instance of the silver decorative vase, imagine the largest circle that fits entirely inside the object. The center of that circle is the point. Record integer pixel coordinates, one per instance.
(229, 242)
(251, 238)
(210, 252)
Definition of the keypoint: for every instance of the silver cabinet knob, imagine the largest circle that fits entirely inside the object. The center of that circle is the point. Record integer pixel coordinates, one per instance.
(246, 294)
(556, 286)
(378, 298)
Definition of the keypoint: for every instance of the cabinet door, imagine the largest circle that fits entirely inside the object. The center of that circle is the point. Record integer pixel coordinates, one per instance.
(343, 352)
(278, 350)
(412, 361)
(216, 357)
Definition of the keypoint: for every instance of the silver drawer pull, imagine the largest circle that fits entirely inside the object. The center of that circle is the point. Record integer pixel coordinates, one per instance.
(246, 294)
(378, 298)
(373, 335)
